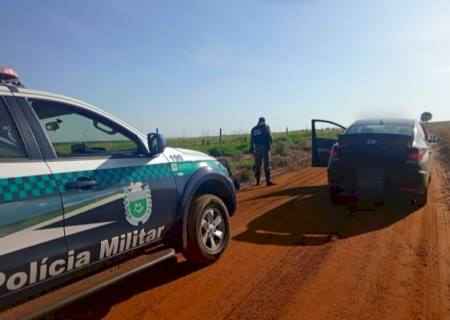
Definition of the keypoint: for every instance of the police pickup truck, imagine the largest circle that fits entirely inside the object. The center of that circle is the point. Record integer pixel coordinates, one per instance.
(80, 188)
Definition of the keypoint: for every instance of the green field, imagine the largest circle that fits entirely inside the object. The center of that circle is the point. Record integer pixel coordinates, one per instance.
(233, 145)
(239, 145)
(288, 149)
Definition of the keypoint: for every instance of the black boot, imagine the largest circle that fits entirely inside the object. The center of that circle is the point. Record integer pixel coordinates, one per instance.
(257, 181)
(270, 183)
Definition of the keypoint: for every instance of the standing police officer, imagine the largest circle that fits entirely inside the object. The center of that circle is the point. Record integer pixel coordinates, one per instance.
(260, 143)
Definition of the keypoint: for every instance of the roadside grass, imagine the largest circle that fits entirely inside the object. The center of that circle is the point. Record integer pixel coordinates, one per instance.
(233, 145)
(289, 150)
(442, 129)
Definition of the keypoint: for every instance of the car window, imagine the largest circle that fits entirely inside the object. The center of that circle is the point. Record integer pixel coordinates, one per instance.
(381, 128)
(328, 131)
(11, 145)
(77, 132)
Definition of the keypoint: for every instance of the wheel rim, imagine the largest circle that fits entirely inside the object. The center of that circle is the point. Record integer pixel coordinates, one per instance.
(212, 229)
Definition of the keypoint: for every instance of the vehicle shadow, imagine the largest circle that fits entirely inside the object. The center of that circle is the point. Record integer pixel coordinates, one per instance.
(98, 304)
(310, 219)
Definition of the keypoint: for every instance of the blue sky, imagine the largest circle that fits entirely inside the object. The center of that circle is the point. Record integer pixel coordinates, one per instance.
(190, 67)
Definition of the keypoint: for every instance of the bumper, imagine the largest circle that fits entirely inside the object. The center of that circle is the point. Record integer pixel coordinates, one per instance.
(378, 183)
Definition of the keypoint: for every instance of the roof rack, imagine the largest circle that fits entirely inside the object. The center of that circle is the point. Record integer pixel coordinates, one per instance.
(9, 77)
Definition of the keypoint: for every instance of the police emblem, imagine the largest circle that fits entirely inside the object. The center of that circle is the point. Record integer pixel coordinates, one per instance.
(138, 203)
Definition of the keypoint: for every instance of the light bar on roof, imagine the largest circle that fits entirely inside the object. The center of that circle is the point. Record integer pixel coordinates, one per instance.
(7, 73)
(9, 77)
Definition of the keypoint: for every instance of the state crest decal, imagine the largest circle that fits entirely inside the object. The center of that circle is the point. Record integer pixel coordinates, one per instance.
(137, 203)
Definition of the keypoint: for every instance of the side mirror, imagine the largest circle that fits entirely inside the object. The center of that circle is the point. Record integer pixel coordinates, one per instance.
(434, 139)
(53, 125)
(156, 143)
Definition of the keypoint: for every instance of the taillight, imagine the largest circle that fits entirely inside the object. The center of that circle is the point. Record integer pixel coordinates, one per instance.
(415, 155)
(334, 154)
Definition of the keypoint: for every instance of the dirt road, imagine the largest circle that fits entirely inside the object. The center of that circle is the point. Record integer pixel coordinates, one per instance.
(294, 256)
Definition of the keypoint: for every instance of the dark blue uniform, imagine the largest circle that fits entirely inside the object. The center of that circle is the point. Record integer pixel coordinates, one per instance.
(260, 143)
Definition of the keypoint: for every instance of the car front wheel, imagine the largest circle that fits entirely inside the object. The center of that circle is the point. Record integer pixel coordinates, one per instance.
(208, 230)
(421, 199)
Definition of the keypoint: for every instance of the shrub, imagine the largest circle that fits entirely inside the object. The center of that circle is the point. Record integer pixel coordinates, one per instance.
(279, 149)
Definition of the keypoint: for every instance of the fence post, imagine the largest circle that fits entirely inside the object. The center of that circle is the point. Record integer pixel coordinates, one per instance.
(157, 130)
(287, 131)
(220, 135)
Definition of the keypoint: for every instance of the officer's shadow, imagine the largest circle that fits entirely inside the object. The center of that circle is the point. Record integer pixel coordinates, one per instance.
(310, 219)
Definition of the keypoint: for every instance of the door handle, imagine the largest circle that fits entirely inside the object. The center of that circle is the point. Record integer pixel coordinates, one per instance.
(82, 183)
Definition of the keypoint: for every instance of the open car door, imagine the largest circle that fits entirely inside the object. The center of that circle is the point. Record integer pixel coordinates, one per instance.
(323, 140)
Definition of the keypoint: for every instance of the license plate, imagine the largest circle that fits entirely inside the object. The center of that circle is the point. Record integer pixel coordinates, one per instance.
(370, 181)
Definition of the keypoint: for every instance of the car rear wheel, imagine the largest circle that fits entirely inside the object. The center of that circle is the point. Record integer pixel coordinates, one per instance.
(208, 230)
(335, 198)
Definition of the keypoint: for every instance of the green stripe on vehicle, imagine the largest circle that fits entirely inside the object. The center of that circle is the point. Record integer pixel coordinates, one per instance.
(22, 188)
(189, 167)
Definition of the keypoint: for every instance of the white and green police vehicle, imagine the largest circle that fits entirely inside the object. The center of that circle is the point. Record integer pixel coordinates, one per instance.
(80, 188)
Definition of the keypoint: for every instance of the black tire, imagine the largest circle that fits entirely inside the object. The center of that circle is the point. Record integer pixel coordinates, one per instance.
(335, 198)
(421, 199)
(203, 224)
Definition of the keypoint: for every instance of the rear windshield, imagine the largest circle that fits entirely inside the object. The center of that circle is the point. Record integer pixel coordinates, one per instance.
(386, 128)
